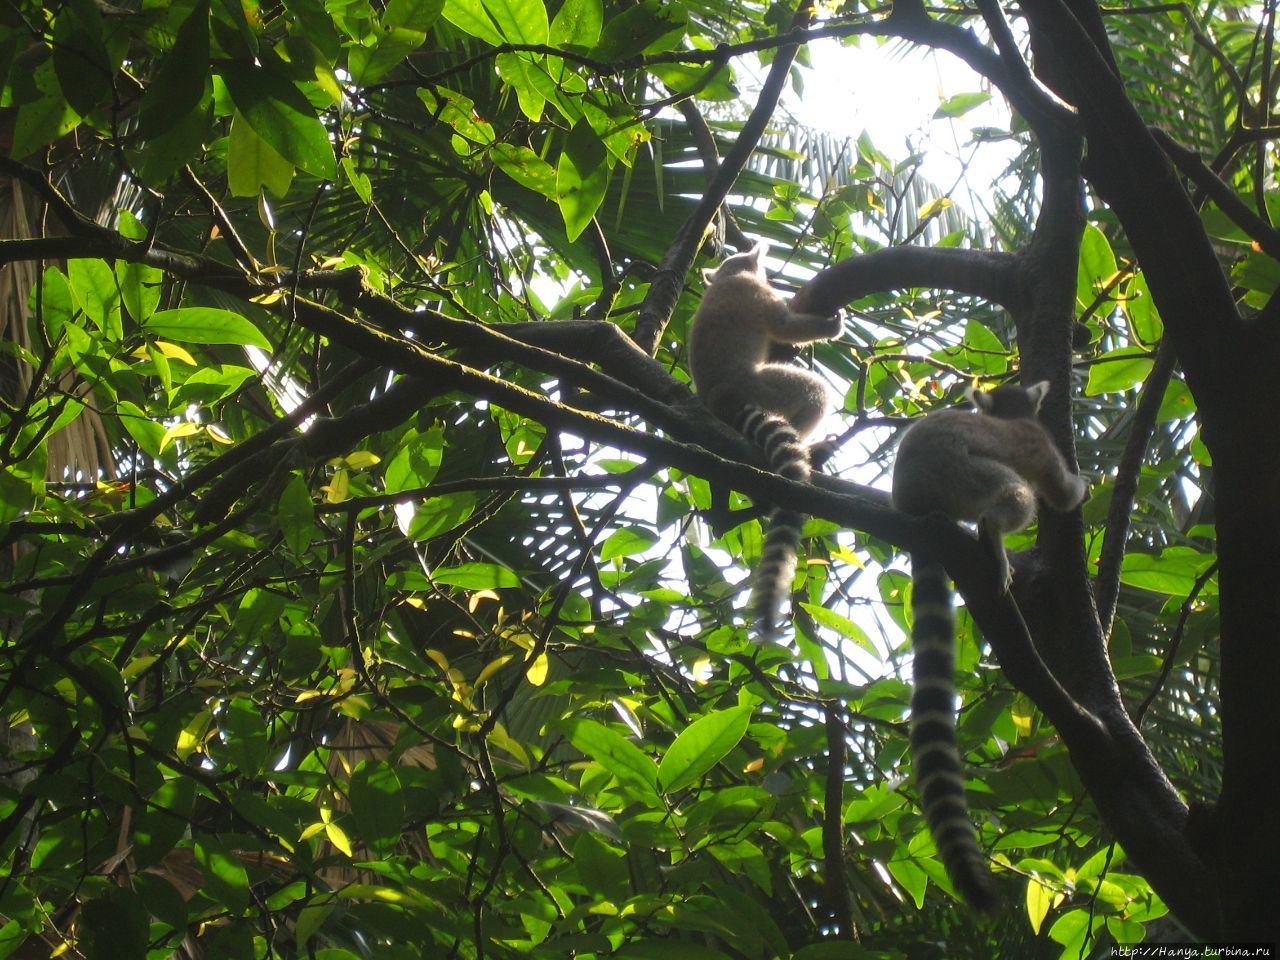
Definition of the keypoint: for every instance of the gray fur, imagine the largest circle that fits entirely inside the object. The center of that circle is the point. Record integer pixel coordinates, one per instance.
(776, 405)
(986, 467)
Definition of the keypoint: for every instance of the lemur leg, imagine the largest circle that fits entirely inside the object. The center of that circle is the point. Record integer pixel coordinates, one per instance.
(1011, 508)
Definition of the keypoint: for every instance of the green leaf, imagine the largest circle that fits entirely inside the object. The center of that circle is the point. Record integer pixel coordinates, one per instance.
(526, 168)
(701, 746)
(93, 284)
(179, 142)
(416, 462)
(163, 821)
(296, 515)
(80, 56)
(439, 515)
(627, 542)
(614, 752)
(582, 177)
(226, 880)
(470, 16)
(649, 26)
(959, 105)
(519, 21)
(1174, 572)
(253, 164)
(44, 120)
(1097, 266)
(140, 287)
(244, 736)
(577, 24)
(417, 15)
(212, 383)
(476, 576)
(179, 83)
(377, 805)
(1118, 370)
(205, 325)
(146, 433)
(114, 926)
(282, 116)
(516, 70)
(841, 625)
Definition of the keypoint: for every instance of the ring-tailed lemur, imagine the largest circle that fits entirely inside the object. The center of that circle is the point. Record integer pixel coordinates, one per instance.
(776, 405)
(985, 467)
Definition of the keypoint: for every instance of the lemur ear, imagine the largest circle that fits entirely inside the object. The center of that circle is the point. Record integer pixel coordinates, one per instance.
(708, 275)
(1036, 393)
(979, 398)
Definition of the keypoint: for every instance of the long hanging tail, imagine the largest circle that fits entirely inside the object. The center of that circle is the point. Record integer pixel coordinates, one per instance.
(786, 455)
(934, 756)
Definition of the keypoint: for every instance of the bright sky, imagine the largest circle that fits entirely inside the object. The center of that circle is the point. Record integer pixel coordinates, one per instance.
(891, 90)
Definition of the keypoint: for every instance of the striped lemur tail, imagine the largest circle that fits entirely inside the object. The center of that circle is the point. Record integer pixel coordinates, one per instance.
(787, 455)
(934, 755)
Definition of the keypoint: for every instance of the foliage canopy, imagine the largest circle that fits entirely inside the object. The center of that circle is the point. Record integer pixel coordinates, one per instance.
(371, 575)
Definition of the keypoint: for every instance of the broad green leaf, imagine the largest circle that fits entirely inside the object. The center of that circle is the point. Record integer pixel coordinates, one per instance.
(614, 752)
(114, 926)
(1118, 370)
(370, 62)
(93, 284)
(701, 746)
(516, 70)
(253, 164)
(162, 822)
(526, 168)
(44, 120)
(80, 56)
(476, 576)
(360, 182)
(178, 85)
(282, 116)
(205, 325)
(140, 288)
(960, 104)
(519, 21)
(582, 176)
(165, 153)
(437, 515)
(1174, 572)
(470, 16)
(1097, 266)
(412, 14)
(296, 513)
(627, 542)
(146, 433)
(244, 736)
(416, 462)
(377, 804)
(226, 880)
(577, 24)
(212, 383)
(1038, 901)
(913, 880)
(841, 624)
(649, 26)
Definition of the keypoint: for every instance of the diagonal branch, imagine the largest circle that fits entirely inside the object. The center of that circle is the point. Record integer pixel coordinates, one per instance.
(668, 282)
(1119, 514)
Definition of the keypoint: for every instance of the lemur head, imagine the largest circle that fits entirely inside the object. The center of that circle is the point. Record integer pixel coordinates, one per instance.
(1008, 401)
(750, 262)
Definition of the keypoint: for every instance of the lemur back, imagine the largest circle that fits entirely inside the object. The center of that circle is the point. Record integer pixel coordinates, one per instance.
(985, 467)
(775, 405)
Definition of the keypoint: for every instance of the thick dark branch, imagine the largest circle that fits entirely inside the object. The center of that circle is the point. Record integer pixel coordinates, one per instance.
(1119, 513)
(1220, 192)
(978, 273)
(1134, 176)
(705, 142)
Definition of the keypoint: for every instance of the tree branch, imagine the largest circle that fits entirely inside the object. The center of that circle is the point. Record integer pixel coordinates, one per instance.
(664, 291)
(1120, 512)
